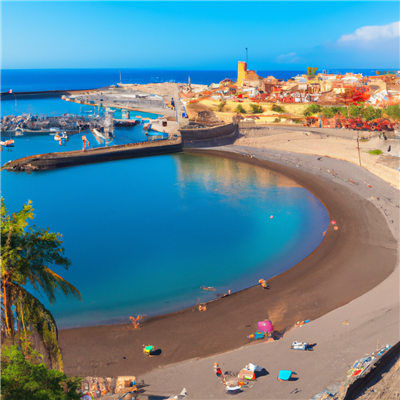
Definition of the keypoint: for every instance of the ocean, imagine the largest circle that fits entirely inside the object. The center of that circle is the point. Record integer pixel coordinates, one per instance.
(26, 80)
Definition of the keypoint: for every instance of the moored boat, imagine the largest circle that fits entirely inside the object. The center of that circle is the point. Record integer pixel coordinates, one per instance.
(7, 143)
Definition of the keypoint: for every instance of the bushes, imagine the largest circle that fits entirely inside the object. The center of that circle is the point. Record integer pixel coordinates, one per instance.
(256, 109)
(278, 109)
(312, 109)
(328, 112)
(393, 111)
(240, 109)
(370, 113)
(354, 111)
(23, 378)
(221, 105)
(340, 110)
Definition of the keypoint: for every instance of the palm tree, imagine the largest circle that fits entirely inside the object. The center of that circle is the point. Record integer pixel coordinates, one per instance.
(26, 254)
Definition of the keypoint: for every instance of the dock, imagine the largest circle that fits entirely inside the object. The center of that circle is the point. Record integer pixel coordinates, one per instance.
(49, 161)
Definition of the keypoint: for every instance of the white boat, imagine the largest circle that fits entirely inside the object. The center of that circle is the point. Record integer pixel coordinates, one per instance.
(147, 126)
(7, 143)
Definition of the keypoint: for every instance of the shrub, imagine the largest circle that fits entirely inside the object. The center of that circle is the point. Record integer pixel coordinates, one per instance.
(278, 109)
(364, 139)
(354, 111)
(221, 105)
(340, 110)
(328, 112)
(393, 111)
(277, 120)
(370, 113)
(240, 109)
(312, 109)
(23, 378)
(376, 152)
(256, 109)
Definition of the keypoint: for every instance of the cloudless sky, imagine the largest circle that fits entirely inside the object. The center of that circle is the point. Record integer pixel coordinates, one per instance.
(195, 35)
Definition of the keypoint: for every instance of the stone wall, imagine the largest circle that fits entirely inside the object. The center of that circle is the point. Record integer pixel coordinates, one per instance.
(209, 136)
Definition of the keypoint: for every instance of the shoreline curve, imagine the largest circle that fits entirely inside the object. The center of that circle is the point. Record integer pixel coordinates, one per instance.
(348, 263)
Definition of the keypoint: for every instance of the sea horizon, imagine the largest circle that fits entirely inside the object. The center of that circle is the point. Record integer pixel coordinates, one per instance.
(53, 79)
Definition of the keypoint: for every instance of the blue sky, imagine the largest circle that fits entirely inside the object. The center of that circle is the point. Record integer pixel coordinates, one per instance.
(200, 35)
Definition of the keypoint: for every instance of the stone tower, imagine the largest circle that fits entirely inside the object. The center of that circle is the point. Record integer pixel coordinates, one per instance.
(242, 68)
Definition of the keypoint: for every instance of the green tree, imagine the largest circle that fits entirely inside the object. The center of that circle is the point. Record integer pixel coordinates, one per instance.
(24, 378)
(312, 109)
(370, 113)
(393, 111)
(240, 109)
(26, 254)
(340, 110)
(354, 111)
(328, 112)
(256, 109)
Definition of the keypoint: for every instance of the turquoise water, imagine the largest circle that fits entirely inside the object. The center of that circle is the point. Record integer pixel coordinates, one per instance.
(144, 234)
(54, 106)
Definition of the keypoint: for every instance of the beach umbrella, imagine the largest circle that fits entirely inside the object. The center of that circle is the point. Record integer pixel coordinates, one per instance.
(265, 326)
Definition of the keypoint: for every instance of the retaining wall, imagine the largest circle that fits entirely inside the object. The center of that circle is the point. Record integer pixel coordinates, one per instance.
(209, 136)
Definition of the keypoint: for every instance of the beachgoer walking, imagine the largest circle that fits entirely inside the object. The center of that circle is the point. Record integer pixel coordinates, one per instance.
(84, 140)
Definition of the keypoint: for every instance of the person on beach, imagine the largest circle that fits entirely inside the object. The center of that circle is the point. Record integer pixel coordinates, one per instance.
(84, 140)
(217, 370)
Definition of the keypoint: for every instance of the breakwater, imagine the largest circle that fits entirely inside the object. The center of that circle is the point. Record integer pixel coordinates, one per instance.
(48, 161)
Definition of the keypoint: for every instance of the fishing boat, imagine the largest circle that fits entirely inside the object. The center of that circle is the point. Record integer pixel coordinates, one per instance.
(58, 136)
(7, 143)
(147, 126)
(126, 122)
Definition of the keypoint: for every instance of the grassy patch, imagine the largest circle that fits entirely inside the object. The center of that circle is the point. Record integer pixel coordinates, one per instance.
(256, 109)
(278, 109)
(364, 139)
(240, 109)
(375, 152)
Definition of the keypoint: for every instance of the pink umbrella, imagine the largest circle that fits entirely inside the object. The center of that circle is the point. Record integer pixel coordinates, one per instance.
(265, 326)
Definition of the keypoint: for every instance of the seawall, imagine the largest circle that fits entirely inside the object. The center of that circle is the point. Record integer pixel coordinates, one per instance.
(48, 161)
(208, 136)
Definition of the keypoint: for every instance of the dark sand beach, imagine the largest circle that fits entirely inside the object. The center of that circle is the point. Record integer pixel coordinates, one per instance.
(350, 262)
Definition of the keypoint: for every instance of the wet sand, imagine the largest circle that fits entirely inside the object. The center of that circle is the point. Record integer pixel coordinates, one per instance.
(350, 262)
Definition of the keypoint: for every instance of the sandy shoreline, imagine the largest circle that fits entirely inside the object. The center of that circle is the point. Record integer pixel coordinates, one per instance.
(343, 268)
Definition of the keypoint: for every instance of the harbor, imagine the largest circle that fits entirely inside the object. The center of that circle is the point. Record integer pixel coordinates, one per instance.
(182, 214)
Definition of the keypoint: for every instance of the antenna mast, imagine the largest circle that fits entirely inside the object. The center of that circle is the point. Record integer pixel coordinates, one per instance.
(246, 55)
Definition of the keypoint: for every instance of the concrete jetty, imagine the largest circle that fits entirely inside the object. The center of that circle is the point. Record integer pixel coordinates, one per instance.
(48, 161)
